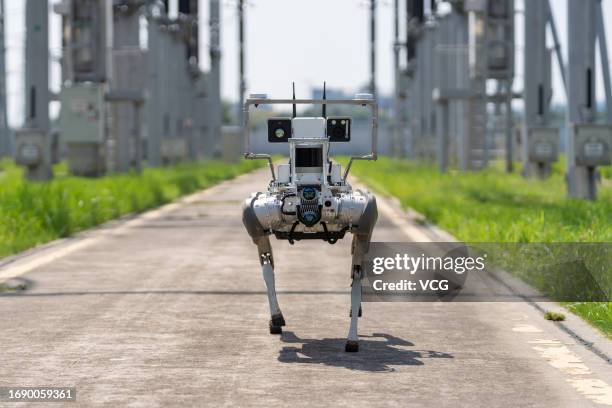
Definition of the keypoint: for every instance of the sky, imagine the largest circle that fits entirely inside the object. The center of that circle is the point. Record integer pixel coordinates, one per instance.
(286, 40)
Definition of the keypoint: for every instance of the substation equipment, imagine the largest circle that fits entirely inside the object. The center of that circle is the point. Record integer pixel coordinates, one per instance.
(454, 94)
(121, 102)
(450, 60)
(588, 142)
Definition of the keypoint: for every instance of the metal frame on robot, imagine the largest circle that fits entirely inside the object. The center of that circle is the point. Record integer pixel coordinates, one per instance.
(265, 101)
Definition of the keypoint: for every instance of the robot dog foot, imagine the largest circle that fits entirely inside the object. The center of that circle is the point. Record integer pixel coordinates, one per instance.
(352, 346)
(276, 324)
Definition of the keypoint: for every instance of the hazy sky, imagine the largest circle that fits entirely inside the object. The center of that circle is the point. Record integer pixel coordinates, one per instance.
(287, 40)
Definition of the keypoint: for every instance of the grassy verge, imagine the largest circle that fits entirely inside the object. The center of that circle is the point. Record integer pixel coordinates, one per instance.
(492, 206)
(34, 213)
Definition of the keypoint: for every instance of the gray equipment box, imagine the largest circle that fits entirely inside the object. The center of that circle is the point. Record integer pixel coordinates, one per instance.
(83, 114)
(231, 143)
(30, 147)
(173, 150)
(543, 144)
(127, 69)
(593, 145)
(86, 159)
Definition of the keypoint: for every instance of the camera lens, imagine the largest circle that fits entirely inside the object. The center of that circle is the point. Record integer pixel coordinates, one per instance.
(338, 132)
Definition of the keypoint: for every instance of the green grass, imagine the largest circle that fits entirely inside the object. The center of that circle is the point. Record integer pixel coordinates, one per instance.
(598, 314)
(15, 288)
(554, 316)
(492, 206)
(33, 213)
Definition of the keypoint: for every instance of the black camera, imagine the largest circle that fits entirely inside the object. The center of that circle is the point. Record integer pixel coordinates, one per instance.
(339, 129)
(279, 130)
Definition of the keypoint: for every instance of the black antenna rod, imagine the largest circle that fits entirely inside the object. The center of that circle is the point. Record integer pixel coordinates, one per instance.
(294, 106)
(324, 98)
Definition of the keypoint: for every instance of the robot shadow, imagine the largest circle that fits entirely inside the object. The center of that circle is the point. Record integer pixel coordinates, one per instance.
(377, 353)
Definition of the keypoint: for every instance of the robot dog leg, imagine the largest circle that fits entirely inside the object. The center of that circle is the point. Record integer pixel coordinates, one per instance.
(309, 198)
(267, 267)
(360, 246)
(266, 259)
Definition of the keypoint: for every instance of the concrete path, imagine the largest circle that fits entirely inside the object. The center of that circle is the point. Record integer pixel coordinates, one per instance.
(170, 310)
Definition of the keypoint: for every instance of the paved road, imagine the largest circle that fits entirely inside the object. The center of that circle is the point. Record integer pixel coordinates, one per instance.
(170, 310)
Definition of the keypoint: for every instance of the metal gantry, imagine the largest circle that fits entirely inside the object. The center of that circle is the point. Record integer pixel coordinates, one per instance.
(463, 62)
(122, 104)
(540, 141)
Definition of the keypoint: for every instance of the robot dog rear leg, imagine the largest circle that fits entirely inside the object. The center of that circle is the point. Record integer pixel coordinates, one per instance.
(267, 267)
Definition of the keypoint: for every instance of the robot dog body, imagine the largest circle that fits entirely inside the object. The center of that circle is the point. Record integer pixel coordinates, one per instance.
(310, 200)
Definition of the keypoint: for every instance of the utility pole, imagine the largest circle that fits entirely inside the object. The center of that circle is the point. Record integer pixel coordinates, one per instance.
(588, 144)
(540, 141)
(242, 85)
(474, 146)
(155, 85)
(373, 47)
(215, 113)
(397, 108)
(415, 17)
(605, 62)
(33, 141)
(37, 62)
(128, 61)
(189, 27)
(5, 135)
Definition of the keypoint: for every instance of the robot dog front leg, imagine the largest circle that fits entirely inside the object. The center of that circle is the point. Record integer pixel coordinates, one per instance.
(267, 267)
(261, 238)
(359, 248)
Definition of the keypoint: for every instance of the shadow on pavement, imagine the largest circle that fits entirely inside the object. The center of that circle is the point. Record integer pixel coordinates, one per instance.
(377, 353)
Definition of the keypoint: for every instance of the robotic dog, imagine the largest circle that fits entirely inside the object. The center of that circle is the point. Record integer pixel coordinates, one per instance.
(310, 199)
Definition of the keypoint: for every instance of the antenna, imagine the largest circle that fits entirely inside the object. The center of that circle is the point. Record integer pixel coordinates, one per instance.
(324, 98)
(294, 106)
